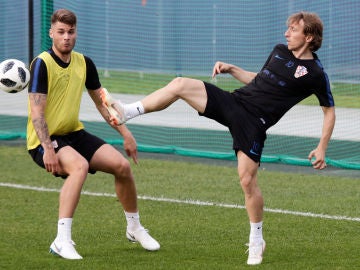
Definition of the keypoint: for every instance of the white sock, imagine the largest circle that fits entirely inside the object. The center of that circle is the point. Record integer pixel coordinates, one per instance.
(133, 221)
(256, 235)
(64, 229)
(132, 110)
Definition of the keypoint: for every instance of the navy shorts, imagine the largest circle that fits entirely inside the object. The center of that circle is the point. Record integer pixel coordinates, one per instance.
(83, 142)
(248, 132)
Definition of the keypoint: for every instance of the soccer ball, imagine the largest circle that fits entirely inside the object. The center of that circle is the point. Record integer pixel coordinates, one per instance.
(14, 76)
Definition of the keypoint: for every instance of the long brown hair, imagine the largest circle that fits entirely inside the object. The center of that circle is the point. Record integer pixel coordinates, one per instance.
(313, 26)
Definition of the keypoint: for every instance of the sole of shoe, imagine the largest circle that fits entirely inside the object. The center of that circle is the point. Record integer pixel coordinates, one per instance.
(53, 252)
(114, 116)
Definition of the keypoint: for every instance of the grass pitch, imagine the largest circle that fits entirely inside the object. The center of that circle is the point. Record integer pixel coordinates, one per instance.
(192, 235)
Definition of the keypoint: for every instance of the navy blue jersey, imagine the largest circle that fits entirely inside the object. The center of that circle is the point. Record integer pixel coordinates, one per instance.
(283, 82)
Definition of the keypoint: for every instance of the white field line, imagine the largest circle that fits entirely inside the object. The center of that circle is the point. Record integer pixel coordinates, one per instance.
(192, 202)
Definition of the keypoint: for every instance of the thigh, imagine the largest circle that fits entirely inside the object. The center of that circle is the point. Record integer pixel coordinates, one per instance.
(67, 154)
(85, 143)
(193, 92)
(248, 133)
(82, 142)
(107, 159)
(220, 106)
(70, 160)
(246, 165)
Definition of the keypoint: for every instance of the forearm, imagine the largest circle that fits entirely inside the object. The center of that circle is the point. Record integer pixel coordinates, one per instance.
(130, 145)
(42, 131)
(241, 74)
(328, 127)
(319, 151)
(104, 112)
(238, 73)
(37, 104)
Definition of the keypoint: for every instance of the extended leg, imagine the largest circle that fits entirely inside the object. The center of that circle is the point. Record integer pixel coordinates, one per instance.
(191, 91)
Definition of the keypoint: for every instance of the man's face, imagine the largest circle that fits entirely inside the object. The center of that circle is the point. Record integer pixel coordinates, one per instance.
(295, 37)
(64, 37)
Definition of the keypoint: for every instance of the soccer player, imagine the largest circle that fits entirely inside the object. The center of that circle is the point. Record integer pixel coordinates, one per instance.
(57, 141)
(291, 73)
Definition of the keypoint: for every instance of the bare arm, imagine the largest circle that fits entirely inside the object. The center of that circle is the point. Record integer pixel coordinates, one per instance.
(130, 145)
(38, 105)
(238, 73)
(328, 127)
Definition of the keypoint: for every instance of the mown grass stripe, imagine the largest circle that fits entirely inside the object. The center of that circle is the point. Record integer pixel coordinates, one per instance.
(192, 202)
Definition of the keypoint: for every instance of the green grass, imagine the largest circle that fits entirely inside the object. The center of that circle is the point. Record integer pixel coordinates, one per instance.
(191, 236)
(346, 95)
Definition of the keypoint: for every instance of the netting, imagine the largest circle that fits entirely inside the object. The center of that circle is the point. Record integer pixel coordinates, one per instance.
(139, 46)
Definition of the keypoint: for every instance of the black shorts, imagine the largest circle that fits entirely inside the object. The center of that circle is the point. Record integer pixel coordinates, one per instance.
(83, 142)
(248, 132)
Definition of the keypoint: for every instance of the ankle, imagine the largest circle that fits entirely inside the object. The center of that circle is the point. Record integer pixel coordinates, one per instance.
(133, 221)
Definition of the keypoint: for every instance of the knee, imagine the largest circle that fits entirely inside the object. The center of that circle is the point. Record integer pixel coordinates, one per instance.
(83, 167)
(178, 84)
(248, 182)
(123, 169)
(79, 169)
(179, 81)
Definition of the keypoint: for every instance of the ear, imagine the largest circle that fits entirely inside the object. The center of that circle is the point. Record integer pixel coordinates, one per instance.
(309, 38)
(50, 33)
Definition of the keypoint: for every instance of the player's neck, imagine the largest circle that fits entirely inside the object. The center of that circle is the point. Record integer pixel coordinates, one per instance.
(65, 57)
(303, 54)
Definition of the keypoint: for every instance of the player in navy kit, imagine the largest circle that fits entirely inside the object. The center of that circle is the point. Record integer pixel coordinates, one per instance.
(291, 73)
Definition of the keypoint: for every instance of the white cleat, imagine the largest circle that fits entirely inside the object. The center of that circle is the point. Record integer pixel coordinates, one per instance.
(65, 249)
(143, 237)
(114, 108)
(256, 252)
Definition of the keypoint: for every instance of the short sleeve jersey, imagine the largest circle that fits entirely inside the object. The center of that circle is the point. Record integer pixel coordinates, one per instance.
(63, 83)
(283, 82)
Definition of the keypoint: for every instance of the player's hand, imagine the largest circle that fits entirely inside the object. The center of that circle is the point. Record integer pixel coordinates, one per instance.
(319, 162)
(51, 161)
(130, 147)
(220, 67)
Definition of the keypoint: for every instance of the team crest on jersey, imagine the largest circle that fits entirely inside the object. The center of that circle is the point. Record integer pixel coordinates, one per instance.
(300, 71)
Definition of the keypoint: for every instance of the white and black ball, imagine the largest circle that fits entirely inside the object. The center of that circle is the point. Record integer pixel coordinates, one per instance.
(14, 75)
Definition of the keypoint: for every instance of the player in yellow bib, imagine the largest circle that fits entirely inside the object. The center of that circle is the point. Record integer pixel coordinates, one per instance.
(65, 87)
(57, 141)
